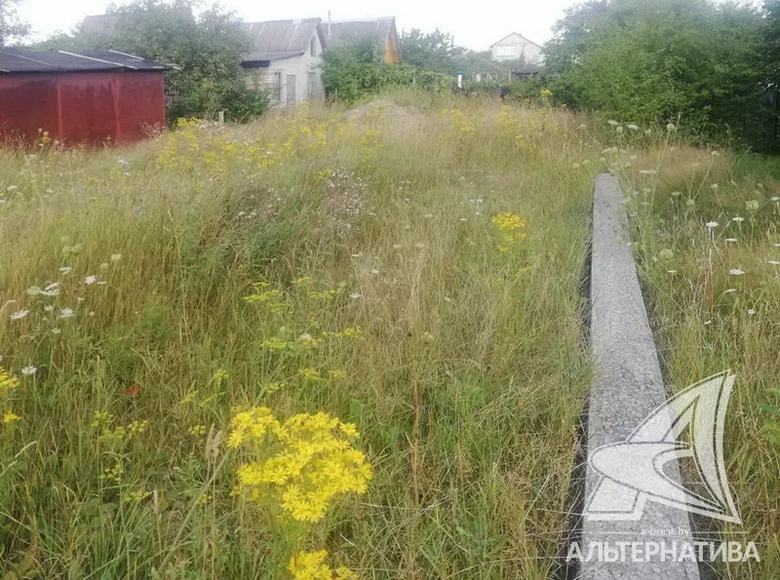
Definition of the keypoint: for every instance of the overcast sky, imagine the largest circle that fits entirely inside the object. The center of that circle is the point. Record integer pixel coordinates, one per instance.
(474, 25)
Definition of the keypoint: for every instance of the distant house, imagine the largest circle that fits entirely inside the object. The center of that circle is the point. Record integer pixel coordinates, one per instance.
(516, 46)
(87, 97)
(285, 59)
(381, 32)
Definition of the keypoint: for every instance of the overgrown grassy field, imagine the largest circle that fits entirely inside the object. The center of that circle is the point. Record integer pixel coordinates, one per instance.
(705, 231)
(194, 331)
(413, 271)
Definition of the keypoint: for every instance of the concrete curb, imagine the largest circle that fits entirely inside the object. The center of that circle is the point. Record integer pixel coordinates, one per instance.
(627, 387)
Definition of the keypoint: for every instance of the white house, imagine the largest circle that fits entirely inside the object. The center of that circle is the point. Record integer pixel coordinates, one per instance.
(515, 47)
(285, 58)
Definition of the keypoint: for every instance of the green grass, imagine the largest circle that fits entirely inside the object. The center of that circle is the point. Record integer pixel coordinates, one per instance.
(466, 382)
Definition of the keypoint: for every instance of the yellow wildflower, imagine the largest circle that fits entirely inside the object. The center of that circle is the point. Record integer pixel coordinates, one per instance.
(312, 566)
(7, 382)
(313, 462)
(10, 417)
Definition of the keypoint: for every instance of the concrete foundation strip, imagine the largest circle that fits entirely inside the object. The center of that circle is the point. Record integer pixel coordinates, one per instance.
(627, 387)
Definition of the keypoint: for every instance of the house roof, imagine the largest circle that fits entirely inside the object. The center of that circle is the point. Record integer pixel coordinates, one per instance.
(515, 34)
(280, 39)
(343, 32)
(14, 60)
(108, 23)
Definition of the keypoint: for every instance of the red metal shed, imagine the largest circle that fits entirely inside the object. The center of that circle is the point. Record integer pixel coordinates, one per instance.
(91, 97)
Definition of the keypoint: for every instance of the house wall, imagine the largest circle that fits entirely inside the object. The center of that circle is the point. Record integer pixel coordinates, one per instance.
(81, 107)
(392, 51)
(301, 67)
(515, 47)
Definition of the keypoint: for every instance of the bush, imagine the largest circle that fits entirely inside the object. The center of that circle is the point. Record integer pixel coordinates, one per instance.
(650, 61)
(355, 72)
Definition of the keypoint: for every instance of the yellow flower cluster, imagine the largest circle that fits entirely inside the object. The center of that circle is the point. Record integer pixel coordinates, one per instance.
(7, 382)
(462, 123)
(313, 463)
(312, 566)
(511, 227)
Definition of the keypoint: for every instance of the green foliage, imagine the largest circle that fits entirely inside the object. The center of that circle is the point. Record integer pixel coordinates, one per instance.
(431, 51)
(656, 60)
(355, 72)
(207, 51)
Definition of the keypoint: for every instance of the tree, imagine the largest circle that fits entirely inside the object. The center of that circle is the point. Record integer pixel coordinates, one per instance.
(10, 25)
(430, 51)
(654, 60)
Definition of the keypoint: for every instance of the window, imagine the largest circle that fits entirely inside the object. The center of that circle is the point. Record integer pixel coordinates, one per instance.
(505, 50)
(312, 85)
(291, 97)
(314, 46)
(276, 92)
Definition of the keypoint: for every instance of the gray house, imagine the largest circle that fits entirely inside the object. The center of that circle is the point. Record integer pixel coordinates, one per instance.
(285, 59)
(516, 46)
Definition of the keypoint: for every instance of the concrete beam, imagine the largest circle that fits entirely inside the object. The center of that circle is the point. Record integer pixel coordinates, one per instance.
(627, 387)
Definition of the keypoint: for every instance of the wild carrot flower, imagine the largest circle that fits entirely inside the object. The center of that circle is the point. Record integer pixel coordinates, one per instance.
(19, 314)
(29, 370)
(89, 280)
(736, 272)
(66, 313)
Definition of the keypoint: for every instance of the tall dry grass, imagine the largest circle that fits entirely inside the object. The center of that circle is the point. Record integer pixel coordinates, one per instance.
(461, 365)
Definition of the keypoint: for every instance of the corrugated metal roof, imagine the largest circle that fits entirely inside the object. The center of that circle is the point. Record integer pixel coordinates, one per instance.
(279, 39)
(106, 24)
(13, 60)
(345, 32)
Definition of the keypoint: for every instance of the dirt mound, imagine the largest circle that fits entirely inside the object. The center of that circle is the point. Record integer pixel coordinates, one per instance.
(385, 109)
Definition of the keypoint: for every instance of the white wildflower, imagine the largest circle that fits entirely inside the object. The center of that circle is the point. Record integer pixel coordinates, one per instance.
(356, 295)
(89, 280)
(736, 272)
(66, 270)
(55, 331)
(19, 314)
(711, 225)
(738, 219)
(29, 370)
(66, 313)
